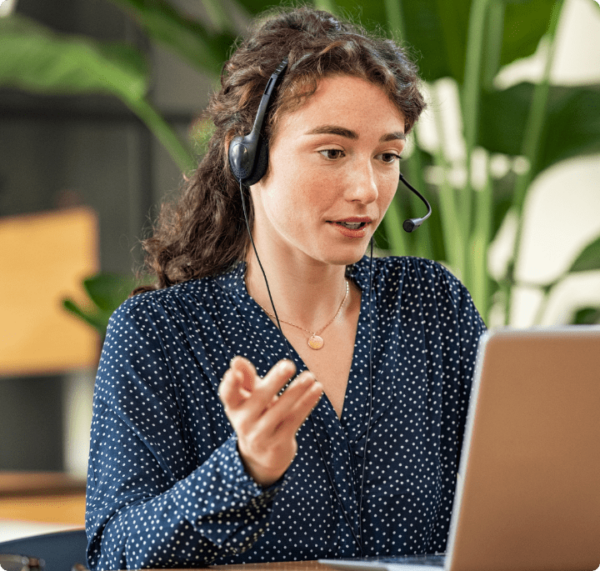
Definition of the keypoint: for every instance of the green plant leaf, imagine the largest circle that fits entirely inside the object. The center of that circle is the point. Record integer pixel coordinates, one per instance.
(577, 111)
(572, 126)
(588, 259)
(188, 38)
(525, 22)
(436, 30)
(108, 291)
(219, 14)
(254, 7)
(586, 316)
(200, 133)
(97, 320)
(372, 15)
(502, 200)
(36, 59)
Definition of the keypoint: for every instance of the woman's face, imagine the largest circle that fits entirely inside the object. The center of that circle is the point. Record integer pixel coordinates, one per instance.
(336, 158)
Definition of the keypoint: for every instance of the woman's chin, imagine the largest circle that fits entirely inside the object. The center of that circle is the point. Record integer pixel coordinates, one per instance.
(348, 258)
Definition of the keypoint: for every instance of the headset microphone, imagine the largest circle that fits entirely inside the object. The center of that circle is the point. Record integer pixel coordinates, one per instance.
(413, 223)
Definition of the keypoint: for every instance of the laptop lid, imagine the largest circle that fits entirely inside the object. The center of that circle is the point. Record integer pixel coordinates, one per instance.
(530, 496)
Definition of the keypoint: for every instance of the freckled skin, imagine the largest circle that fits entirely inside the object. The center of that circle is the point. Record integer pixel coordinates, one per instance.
(316, 178)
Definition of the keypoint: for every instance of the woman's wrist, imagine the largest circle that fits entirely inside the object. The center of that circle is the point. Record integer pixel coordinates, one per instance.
(262, 476)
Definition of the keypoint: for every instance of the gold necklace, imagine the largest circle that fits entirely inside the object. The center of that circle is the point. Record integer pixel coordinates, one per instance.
(315, 341)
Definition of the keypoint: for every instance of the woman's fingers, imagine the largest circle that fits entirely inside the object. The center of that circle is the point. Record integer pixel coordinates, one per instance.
(275, 380)
(238, 383)
(266, 389)
(294, 405)
(242, 387)
(231, 392)
(246, 369)
(255, 404)
(300, 410)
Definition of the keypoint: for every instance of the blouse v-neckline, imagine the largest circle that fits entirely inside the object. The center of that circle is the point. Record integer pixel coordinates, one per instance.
(358, 377)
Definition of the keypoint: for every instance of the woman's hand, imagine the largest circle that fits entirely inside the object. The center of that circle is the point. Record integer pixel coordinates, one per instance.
(265, 423)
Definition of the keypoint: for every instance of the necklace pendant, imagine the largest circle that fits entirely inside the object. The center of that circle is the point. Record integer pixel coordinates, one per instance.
(315, 342)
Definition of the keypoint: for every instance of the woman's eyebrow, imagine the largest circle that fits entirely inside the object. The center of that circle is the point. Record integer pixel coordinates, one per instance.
(349, 134)
(393, 136)
(333, 130)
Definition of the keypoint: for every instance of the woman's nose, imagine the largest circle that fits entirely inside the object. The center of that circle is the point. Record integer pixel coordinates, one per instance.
(362, 184)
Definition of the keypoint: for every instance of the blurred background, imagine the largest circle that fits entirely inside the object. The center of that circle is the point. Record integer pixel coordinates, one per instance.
(100, 118)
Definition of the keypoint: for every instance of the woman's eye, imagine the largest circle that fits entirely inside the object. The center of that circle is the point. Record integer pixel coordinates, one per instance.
(332, 154)
(389, 157)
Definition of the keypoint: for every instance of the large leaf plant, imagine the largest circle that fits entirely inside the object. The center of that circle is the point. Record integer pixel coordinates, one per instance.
(466, 42)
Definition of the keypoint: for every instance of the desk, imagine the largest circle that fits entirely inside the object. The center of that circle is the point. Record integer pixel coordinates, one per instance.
(283, 566)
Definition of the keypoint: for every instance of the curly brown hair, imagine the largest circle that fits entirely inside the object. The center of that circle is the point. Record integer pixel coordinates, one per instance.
(204, 233)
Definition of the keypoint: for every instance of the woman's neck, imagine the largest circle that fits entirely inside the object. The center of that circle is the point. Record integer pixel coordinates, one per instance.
(306, 295)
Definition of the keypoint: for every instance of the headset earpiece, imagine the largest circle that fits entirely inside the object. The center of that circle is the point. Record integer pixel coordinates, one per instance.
(249, 155)
(248, 159)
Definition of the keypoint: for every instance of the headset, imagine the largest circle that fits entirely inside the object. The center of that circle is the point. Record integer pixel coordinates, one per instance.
(249, 155)
(248, 159)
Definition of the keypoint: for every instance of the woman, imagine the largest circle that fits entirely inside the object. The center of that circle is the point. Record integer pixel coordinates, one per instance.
(197, 455)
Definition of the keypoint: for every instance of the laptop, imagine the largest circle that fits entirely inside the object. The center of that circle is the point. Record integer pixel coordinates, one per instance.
(528, 489)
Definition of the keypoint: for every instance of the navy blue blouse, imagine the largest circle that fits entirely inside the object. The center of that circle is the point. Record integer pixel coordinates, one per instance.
(166, 487)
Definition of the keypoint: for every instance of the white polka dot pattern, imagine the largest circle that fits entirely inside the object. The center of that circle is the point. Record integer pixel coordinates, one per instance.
(166, 487)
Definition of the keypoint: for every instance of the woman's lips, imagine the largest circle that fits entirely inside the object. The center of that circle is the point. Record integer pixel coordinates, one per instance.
(349, 233)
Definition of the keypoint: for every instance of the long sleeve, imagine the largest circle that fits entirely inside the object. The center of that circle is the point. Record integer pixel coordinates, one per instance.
(156, 498)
